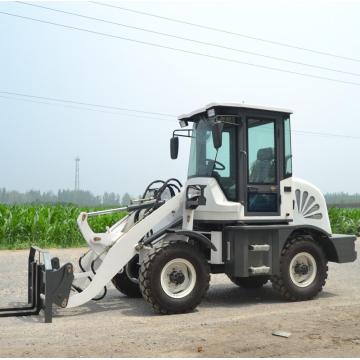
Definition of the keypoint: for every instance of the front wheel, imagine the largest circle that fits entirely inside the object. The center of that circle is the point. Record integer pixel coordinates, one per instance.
(303, 270)
(174, 277)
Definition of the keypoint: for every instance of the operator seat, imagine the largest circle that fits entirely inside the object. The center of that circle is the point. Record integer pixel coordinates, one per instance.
(263, 169)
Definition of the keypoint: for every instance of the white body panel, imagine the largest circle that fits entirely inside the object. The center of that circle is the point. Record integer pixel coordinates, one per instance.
(217, 206)
(310, 206)
(304, 205)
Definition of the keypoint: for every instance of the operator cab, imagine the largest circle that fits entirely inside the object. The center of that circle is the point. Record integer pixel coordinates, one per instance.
(247, 149)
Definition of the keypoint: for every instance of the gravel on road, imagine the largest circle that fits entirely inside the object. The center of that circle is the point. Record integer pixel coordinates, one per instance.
(230, 322)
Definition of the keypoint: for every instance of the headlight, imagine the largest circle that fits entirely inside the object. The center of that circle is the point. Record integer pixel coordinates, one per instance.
(195, 196)
(193, 191)
(183, 123)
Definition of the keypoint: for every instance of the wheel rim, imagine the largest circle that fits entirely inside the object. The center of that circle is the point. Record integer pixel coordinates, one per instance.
(303, 269)
(178, 278)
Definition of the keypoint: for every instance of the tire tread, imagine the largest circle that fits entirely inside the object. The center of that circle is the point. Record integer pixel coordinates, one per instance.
(278, 282)
(145, 274)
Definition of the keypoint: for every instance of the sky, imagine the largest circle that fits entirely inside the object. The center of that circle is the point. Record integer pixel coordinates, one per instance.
(123, 151)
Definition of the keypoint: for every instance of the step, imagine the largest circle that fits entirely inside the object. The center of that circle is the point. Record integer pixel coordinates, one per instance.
(264, 247)
(259, 270)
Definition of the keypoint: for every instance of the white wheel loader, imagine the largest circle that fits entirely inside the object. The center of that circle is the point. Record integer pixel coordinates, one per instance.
(240, 212)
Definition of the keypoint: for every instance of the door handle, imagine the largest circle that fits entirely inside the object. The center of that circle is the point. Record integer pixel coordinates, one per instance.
(253, 189)
(243, 152)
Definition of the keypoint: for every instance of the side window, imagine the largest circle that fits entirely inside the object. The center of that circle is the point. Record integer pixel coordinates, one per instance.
(287, 149)
(261, 152)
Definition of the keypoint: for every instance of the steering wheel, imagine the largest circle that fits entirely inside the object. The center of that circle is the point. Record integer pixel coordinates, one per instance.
(213, 164)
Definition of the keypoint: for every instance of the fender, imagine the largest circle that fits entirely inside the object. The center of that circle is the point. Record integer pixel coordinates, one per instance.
(196, 236)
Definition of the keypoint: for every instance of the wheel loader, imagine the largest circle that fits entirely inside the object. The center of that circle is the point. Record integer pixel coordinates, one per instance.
(240, 213)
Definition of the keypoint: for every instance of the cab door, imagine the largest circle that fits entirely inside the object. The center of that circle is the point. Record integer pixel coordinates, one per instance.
(262, 185)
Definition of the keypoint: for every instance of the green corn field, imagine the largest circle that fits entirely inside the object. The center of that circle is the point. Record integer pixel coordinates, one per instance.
(345, 221)
(46, 226)
(51, 226)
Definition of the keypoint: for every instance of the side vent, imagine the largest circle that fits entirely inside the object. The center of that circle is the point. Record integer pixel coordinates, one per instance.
(307, 206)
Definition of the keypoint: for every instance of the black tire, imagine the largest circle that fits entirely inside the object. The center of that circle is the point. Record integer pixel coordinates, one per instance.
(127, 281)
(254, 282)
(283, 283)
(150, 277)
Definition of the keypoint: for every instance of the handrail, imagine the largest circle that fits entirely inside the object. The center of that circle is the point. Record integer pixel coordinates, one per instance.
(145, 205)
(105, 212)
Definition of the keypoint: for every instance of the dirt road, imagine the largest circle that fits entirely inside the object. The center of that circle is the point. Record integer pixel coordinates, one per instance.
(231, 322)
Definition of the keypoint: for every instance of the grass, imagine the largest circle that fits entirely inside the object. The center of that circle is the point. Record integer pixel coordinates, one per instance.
(47, 226)
(54, 226)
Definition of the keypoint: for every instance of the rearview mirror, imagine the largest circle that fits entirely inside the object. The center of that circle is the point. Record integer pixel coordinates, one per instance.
(217, 129)
(174, 147)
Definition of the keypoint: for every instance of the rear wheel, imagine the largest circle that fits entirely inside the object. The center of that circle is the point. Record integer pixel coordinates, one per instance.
(303, 270)
(254, 282)
(174, 278)
(127, 281)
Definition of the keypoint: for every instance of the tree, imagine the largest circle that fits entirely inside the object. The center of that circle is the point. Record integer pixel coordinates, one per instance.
(126, 199)
(111, 199)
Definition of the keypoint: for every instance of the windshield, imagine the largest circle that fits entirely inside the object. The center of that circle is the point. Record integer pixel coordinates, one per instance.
(206, 161)
(202, 148)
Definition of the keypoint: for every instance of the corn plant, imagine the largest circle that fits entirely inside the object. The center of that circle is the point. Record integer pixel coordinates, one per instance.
(46, 225)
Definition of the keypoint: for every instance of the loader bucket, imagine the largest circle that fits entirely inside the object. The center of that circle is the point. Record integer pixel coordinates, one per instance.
(48, 284)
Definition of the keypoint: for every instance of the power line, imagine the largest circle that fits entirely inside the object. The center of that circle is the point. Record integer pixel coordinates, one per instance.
(273, 42)
(183, 51)
(191, 40)
(83, 103)
(301, 132)
(141, 111)
(82, 108)
(173, 117)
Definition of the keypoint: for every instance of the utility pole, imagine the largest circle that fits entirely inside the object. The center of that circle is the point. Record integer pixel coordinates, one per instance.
(77, 173)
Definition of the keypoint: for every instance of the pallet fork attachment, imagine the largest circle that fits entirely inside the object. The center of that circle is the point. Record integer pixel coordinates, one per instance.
(48, 284)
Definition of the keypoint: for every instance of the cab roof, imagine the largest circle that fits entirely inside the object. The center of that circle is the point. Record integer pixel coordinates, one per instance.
(230, 109)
